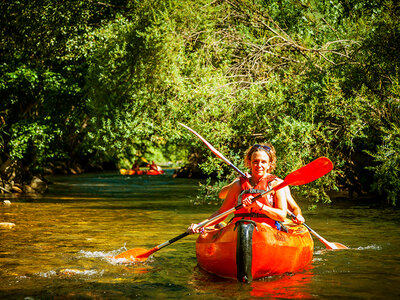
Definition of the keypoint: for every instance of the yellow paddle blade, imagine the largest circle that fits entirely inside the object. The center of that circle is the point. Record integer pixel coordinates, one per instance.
(123, 171)
(132, 255)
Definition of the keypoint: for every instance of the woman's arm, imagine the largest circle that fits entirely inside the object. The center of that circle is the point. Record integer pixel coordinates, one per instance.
(229, 201)
(279, 211)
(224, 191)
(294, 207)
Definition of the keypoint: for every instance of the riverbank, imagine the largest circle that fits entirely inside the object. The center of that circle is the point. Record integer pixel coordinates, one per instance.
(17, 179)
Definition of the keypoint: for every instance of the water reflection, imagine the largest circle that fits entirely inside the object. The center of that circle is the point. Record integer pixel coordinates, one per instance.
(287, 286)
(294, 286)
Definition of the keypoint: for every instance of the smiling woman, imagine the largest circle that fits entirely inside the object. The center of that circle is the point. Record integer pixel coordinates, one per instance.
(268, 149)
(261, 159)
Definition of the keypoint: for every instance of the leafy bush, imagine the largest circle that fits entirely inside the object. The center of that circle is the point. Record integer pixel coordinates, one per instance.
(103, 82)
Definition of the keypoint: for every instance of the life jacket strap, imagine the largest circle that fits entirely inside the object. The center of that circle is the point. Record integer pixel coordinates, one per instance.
(250, 191)
(251, 215)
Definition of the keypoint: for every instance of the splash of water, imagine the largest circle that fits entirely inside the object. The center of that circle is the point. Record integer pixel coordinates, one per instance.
(370, 247)
(101, 254)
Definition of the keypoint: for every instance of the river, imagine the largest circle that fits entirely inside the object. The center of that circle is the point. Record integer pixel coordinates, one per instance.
(61, 245)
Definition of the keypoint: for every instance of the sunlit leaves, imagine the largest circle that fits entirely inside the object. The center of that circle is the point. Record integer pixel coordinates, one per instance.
(312, 77)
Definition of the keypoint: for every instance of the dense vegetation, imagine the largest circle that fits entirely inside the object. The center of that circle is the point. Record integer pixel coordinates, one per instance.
(95, 83)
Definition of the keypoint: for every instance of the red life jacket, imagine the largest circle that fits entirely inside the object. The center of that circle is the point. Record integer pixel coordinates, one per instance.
(247, 189)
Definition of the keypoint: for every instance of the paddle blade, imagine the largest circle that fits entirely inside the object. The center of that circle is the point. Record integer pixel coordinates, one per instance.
(134, 255)
(211, 147)
(215, 151)
(310, 172)
(336, 246)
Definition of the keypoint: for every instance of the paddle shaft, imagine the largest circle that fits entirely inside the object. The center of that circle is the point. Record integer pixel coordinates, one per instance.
(169, 242)
(330, 245)
(207, 221)
(233, 209)
(308, 227)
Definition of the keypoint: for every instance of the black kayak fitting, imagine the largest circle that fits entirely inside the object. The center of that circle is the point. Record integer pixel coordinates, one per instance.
(244, 252)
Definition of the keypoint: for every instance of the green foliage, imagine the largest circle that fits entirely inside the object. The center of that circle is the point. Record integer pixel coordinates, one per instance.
(34, 142)
(387, 166)
(143, 76)
(42, 75)
(108, 81)
(208, 192)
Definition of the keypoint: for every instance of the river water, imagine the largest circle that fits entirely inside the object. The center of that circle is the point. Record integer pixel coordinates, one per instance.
(61, 245)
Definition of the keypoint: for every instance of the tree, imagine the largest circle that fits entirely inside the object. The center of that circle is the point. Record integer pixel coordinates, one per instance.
(102, 82)
(43, 74)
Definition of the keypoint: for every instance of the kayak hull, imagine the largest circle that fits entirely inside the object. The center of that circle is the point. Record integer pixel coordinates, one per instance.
(154, 172)
(239, 252)
(141, 172)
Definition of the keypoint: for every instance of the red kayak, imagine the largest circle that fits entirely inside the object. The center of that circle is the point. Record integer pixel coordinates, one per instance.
(141, 172)
(247, 250)
(154, 172)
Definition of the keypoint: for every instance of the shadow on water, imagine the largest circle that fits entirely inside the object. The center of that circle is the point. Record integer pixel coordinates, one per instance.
(61, 244)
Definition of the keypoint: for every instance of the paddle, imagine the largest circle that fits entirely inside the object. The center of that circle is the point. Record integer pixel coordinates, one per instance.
(329, 245)
(306, 174)
(325, 165)
(215, 151)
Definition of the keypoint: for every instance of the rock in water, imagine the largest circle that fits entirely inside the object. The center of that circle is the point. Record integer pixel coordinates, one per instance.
(7, 225)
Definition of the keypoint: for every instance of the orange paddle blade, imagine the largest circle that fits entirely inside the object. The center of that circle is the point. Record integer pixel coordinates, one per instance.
(336, 246)
(310, 172)
(134, 255)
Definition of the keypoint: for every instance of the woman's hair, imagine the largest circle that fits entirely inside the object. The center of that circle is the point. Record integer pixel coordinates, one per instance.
(267, 148)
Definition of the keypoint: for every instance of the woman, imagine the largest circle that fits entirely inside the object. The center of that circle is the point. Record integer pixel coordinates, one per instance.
(153, 166)
(261, 160)
(291, 203)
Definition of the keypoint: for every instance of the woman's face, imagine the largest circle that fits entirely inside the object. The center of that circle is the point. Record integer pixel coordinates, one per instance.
(259, 163)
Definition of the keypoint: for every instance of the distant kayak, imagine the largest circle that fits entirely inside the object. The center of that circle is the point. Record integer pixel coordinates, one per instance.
(141, 172)
(154, 172)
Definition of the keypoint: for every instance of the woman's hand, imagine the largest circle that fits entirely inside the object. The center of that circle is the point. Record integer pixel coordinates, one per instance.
(192, 229)
(299, 219)
(248, 202)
